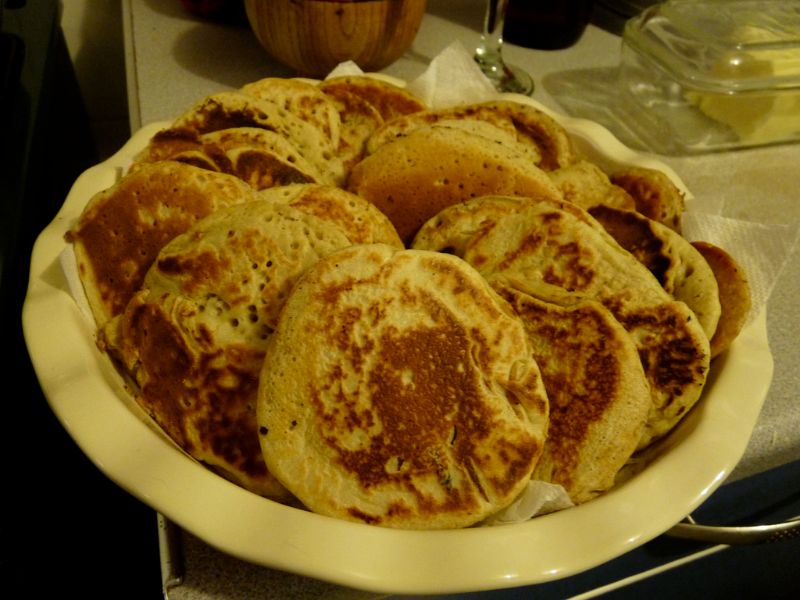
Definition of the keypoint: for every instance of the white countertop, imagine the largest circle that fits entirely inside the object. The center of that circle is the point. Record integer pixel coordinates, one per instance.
(173, 60)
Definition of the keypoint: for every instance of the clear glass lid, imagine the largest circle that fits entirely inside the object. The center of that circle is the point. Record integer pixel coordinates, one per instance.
(722, 45)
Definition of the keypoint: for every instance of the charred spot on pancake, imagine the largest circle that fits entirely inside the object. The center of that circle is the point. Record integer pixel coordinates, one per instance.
(204, 161)
(360, 515)
(634, 234)
(171, 141)
(205, 266)
(572, 270)
(669, 353)
(159, 343)
(654, 193)
(571, 267)
(230, 433)
(264, 170)
(215, 116)
(218, 406)
(389, 100)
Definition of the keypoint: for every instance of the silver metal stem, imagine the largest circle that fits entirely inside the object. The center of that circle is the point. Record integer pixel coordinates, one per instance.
(491, 46)
(489, 53)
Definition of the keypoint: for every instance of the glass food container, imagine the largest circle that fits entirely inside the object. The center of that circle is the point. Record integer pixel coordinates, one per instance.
(708, 75)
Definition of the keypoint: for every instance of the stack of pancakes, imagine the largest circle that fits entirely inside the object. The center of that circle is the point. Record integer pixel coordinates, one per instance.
(340, 299)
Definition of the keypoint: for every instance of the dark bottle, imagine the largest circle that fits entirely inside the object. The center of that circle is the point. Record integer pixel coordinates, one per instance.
(546, 24)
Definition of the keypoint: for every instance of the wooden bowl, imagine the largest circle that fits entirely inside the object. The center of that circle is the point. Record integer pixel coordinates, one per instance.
(313, 36)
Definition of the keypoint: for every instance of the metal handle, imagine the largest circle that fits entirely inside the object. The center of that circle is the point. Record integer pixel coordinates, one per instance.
(688, 529)
(171, 553)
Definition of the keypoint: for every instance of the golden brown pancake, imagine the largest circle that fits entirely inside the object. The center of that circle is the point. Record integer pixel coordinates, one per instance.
(540, 129)
(545, 138)
(680, 268)
(359, 120)
(301, 98)
(583, 183)
(553, 255)
(122, 228)
(412, 178)
(260, 157)
(226, 110)
(193, 339)
(389, 99)
(399, 390)
(656, 195)
(597, 389)
(405, 124)
(361, 221)
(734, 295)
(452, 230)
(492, 133)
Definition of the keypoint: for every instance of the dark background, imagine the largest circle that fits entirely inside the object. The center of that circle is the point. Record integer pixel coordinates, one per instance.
(66, 530)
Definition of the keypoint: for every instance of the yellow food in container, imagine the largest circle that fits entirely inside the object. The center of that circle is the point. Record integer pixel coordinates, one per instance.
(719, 75)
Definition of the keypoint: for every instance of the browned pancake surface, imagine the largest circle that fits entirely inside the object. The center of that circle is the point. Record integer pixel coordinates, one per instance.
(586, 185)
(680, 268)
(236, 109)
(557, 256)
(655, 194)
(260, 157)
(301, 98)
(123, 228)
(193, 339)
(399, 390)
(358, 219)
(359, 121)
(389, 99)
(412, 178)
(734, 295)
(597, 389)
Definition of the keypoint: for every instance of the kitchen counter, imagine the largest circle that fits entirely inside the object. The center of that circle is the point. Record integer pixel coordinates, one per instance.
(173, 60)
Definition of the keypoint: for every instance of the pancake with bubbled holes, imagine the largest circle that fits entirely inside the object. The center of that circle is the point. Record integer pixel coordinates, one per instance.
(493, 133)
(597, 389)
(303, 99)
(413, 177)
(225, 110)
(122, 229)
(553, 255)
(399, 390)
(680, 268)
(193, 339)
(360, 220)
(257, 156)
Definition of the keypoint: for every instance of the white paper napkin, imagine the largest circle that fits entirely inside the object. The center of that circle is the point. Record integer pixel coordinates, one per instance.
(760, 249)
(452, 78)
